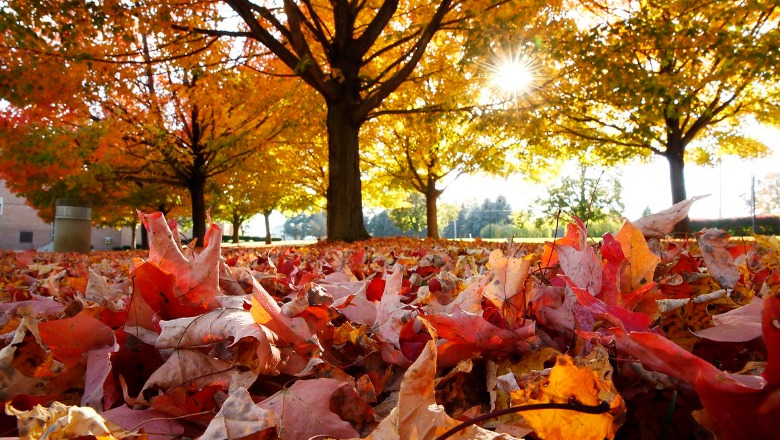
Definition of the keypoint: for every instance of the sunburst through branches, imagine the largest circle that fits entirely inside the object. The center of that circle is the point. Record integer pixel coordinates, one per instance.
(513, 73)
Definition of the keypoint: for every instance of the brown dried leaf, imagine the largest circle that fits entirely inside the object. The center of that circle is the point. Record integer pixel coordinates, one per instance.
(240, 417)
(417, 415)
(661, 223)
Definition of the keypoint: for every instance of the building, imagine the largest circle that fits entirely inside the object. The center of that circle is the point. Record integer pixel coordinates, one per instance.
(21, 228)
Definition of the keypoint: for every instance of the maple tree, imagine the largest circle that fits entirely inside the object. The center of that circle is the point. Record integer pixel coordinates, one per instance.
(175, 123)
(679, 80)
(355, 55)
(258, 186)
(421, 152)
(183, 125)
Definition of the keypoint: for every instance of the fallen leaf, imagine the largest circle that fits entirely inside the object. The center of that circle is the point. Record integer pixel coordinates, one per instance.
(304, 411)
(506, 281)
(737, 406)
(582, 267)
(738, 325)
(463, 335)
(587, 382)
(71, 338)
(193, 368)
(60, 421)
(641, 261)
(197, 279)
(719, 261)
(239, 417)
(661, 223)
(417, 415)
(156, 424)
(222, 325)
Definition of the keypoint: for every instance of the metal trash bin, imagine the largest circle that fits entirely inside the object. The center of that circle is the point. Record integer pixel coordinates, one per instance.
(72, 226)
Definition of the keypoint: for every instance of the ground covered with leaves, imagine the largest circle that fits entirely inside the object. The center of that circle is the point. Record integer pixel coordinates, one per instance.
(629, 335)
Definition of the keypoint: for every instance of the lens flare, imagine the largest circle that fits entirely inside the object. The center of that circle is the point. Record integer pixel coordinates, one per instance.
(513, 74)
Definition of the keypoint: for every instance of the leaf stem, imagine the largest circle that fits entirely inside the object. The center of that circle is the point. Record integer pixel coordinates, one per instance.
(601, 408)
(669, 415)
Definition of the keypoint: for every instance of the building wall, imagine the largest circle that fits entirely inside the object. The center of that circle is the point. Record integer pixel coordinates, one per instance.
(20, 226)
(18, 221)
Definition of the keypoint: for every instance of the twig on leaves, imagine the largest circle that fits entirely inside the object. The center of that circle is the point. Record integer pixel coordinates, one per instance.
(601, 408)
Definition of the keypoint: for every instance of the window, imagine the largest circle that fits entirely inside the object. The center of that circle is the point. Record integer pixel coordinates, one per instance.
(25, 237)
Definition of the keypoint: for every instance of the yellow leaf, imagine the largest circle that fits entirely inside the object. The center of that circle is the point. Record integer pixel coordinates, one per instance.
(588, 382)
(767, 251)
(260, 315)
(60, 421)
(641, 261)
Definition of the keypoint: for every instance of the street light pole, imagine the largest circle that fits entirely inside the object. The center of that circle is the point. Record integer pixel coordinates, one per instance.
(753, 196)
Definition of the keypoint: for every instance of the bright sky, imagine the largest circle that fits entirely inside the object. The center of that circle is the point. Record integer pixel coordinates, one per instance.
(647, 185)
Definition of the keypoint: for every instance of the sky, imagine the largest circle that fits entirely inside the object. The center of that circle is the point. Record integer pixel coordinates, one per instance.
(648, 185)
(644, 185)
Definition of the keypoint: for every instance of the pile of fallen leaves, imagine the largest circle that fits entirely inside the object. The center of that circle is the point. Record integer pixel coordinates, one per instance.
(627, 336)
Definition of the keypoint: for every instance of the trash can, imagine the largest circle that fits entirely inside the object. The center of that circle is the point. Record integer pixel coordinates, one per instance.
(72, 226)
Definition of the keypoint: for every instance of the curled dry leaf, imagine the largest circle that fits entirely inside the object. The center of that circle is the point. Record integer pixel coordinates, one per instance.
(193, 368)
(240, 418)
(221, 325)
(660, 224)
(60, 421)
(582, 266)
(197, 279)
(719, 261)
(738, 325)
(506, 281)
(26, 365)
(417, 415)
(303, 410)
(641, 261)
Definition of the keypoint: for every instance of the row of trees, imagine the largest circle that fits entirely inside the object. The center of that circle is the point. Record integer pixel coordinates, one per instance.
(248, 108)
(591, 196)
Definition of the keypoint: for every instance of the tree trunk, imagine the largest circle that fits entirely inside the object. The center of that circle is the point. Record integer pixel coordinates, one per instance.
(344, 198)
(133, 228)
(675, 152)
(198, 199)
(267, 218)
(431, 211)
(236, 227)
(144, 238)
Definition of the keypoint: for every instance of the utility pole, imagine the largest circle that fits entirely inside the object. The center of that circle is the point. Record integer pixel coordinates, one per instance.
(753, 196)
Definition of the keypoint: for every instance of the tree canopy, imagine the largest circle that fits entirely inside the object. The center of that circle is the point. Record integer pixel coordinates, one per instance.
(112, 99)
(676, 79)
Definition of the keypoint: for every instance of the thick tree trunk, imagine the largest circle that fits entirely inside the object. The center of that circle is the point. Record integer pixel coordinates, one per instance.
(144, 238)
(344, 198)
(267, 218)
(236, 227)
(431, 211)
(197, 190)
(675, 153)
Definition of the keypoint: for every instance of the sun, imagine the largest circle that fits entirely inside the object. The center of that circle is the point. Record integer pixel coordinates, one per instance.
(513, 74)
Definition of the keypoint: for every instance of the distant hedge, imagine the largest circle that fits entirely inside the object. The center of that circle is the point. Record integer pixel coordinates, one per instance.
(229, 238)
(740, 226)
